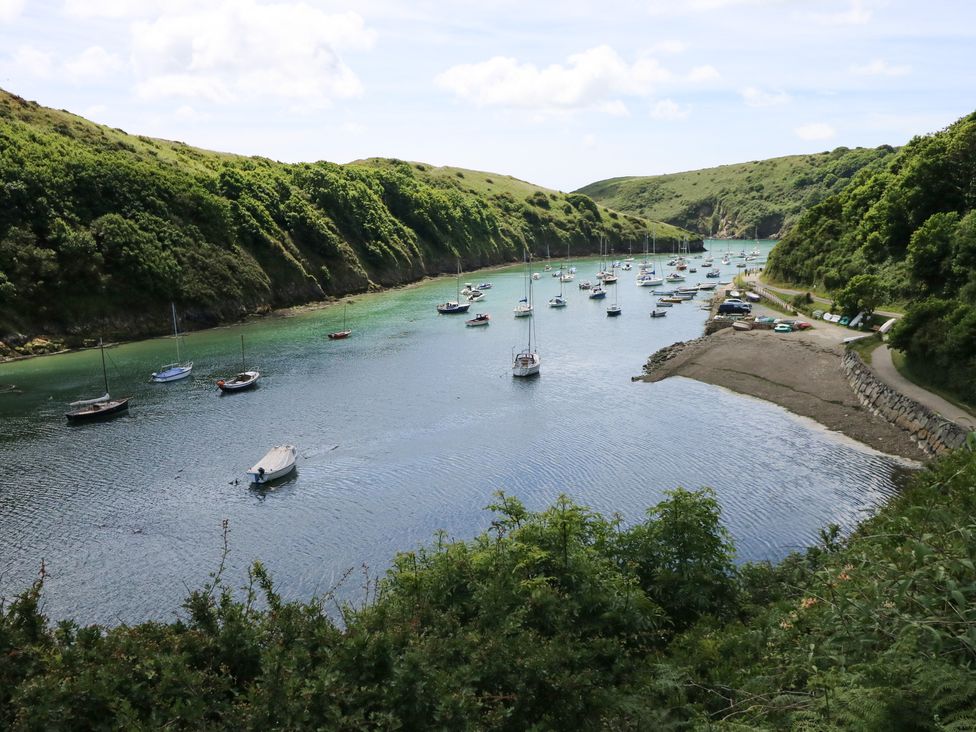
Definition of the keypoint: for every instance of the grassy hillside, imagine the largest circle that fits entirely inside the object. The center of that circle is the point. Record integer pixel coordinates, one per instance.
(905, 232)
(100, 230)
(733, 201)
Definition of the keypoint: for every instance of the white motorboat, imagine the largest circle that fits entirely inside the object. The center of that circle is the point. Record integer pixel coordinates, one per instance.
(278, 461)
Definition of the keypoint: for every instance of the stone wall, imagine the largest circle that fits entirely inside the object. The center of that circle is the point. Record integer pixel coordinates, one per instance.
(932, 432)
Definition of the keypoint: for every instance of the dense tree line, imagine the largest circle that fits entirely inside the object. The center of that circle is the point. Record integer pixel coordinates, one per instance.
(558, 619)
(101, 227)
(906, 233)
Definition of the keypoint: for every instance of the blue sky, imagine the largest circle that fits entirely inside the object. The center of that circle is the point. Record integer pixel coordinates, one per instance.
(558, 93)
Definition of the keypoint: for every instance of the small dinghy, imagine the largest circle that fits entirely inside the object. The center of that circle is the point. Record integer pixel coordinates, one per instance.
(658, 313)
(243, 380)
(279, 461)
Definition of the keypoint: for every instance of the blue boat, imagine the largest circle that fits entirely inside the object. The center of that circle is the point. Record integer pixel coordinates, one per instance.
(597, 293)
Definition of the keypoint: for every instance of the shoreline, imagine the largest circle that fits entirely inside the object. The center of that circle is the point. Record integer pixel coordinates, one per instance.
(800, 374)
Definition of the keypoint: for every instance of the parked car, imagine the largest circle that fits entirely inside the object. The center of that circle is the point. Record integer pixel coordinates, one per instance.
(801, 325)
(734, 308)
(783, 328)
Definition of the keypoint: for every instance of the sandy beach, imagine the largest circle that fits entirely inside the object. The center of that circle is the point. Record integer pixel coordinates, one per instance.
(800, 371)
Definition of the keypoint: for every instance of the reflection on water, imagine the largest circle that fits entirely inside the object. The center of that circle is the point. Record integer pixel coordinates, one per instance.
(405, 428)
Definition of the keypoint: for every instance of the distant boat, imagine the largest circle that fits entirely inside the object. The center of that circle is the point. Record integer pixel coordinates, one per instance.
(476, 295)
(278, 461)
(613, 309)
(338, 335)
(597, 293)
(89, 410)
(524, 307)
(558, 301)
(675, 277)
(664, 304)
(478, 320)
(455, 306)
(658, 313)
(173, 371)
(584, 285)
(244, 380)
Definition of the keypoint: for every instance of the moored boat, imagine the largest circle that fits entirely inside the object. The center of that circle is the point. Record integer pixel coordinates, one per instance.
(658, 313)
(277, 462)
(90, 410)
(173, 371)
(478, 320)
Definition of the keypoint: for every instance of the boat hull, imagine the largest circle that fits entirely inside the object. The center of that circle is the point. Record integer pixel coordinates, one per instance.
(339, 335)
(526, 364)
(173, 373)
(102, 410)
(238, 383)
(277, 463)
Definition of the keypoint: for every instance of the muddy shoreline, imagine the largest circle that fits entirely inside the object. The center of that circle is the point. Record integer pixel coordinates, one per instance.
(803, 375)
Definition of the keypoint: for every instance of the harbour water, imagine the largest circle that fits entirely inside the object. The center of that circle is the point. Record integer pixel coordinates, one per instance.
(404, 429)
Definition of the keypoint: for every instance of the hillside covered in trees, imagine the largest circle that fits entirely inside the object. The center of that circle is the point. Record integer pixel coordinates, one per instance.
(903, 233)
(737, 201)
(100, 230)
(557, 620)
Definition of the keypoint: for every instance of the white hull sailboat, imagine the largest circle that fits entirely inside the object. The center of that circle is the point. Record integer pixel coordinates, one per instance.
(527, 362)
(176, 370)
(244, 380)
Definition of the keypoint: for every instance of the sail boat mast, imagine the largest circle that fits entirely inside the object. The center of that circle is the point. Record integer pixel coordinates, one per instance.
(176, 332)
(104, 371)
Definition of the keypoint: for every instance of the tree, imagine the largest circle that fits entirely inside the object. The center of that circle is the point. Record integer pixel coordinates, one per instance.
(863, 293)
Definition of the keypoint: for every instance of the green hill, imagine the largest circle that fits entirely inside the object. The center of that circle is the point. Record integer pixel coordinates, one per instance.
(100, 230)
(734, 201)
(903, 232)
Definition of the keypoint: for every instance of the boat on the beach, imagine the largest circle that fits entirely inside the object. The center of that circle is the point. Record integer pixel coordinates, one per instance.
(277, 462)
(741, 325)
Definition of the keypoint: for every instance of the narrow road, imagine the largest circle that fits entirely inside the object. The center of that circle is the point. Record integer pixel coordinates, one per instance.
(885, 370)
(822, 300)
(881, 363)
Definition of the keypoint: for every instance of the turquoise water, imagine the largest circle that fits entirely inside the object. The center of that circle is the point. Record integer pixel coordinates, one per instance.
(403, 429)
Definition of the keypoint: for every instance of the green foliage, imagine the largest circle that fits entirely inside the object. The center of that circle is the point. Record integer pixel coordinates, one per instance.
(557, 619)
(767, 196)
(906, 232)
(97, 225)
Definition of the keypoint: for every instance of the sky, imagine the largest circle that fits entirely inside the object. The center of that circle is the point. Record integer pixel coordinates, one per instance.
(557, 93)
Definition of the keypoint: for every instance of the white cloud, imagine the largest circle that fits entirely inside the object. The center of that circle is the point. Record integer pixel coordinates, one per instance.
(589, 141)
(669, 109)
(856, 14)
(754, 97)
(880, 67)
(244, 49)
(704, 73)
(815, 131)
(594, 78)
(92, 63)
(10, 10)
(29, 61)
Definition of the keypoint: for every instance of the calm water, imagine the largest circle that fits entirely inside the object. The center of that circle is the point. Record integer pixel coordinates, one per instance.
(405, 428)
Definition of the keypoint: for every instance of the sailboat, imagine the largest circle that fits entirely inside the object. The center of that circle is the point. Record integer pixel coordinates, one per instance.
(244, 380)
(173, 371)
(558, 301)
(88, 410)
(455, 306)
(339, 334)
(527, 362)
(524, 307)
(614, 308)
(569, 275)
